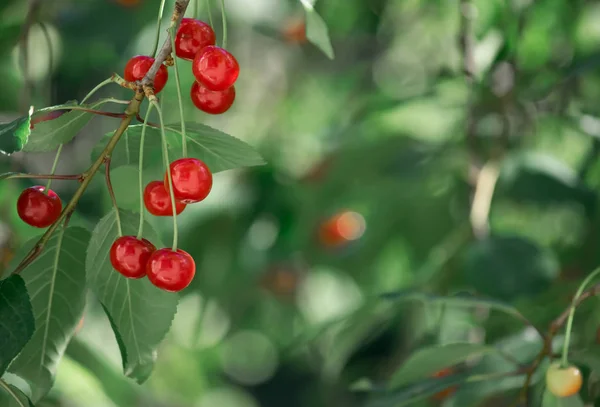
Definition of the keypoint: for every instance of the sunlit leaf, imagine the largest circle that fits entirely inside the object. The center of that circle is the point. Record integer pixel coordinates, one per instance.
(140, 313)
(56, 285)
(16, 319)
(14, 135)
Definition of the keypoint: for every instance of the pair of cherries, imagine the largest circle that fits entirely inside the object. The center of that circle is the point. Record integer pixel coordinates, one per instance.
(192, 182)
(167, 269)
(214, 68)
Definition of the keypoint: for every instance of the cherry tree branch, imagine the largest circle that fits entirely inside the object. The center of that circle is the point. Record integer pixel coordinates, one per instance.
(131, 112)
(165, 51)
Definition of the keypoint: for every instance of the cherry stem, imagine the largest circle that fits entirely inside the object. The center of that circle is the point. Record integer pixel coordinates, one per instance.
(168, 170)
(589, 278)
(111, 192)
(178, 83)
(140, 168)
(97, 88)
(60, 147)
(224, 19)
(209, 11)
(10, 391)
(18, 175)
(159, 19)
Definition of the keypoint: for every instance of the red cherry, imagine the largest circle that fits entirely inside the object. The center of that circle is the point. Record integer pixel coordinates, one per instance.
(138, 67)
(211, 101)
(158, 200)
(215, 68)
(342, 228)
(192, 36)
(192, 180)
(129, 256)
(38, 209)
(169, 270)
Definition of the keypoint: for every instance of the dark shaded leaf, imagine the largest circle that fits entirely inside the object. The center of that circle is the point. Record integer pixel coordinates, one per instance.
(507, 267)
(16, 319)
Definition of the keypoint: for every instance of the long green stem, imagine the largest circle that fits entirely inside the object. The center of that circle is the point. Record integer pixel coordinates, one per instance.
(97, 88)
(178, 83)
(209, 12)
(224, 19)
(140, 168)
(565, 358)
(158, 21)
(168, 170)
(111, 193)
(53, 170)
(10, 391)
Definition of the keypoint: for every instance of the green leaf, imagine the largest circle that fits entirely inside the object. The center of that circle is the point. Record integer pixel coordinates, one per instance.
(219, 151)
(458, 300)
(419, 391)
(427, 361)
(56, 284)
(48, 135)
(16, 319)
(12, 396)
(140, 313)
(316, 30)
(127, 152)
(507, 267)
(550, 400)
(14, 135)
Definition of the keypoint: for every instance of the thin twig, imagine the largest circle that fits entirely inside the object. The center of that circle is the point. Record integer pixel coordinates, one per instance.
(111, 193)
(17, 175)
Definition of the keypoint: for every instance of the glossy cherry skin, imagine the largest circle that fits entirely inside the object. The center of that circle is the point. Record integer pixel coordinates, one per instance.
(129, 255)
(169, 270)
(563, 382)
(192, 36)
(158, 201)
(138, 67)
(215, 68)
(212, 101)
(38, 209)
(192, 180)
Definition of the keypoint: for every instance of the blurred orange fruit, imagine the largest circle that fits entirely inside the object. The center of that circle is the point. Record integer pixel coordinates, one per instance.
(444, 394)
(294, 31)
(342, 228)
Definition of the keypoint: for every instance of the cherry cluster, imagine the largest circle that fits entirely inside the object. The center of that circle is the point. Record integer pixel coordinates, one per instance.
(214, 68)
(167, 269)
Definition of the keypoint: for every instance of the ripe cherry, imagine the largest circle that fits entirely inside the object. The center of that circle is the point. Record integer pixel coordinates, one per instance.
(38, 209)
(342, 228)
(563, 382)
(170, 270)
(158, 201)
(192, 36)
(212, 101)
(192, 180)
(138, 67)
(129, 255)
(215, 68)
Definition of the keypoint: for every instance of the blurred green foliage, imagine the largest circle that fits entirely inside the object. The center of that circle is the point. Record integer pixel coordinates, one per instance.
(276, 318)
